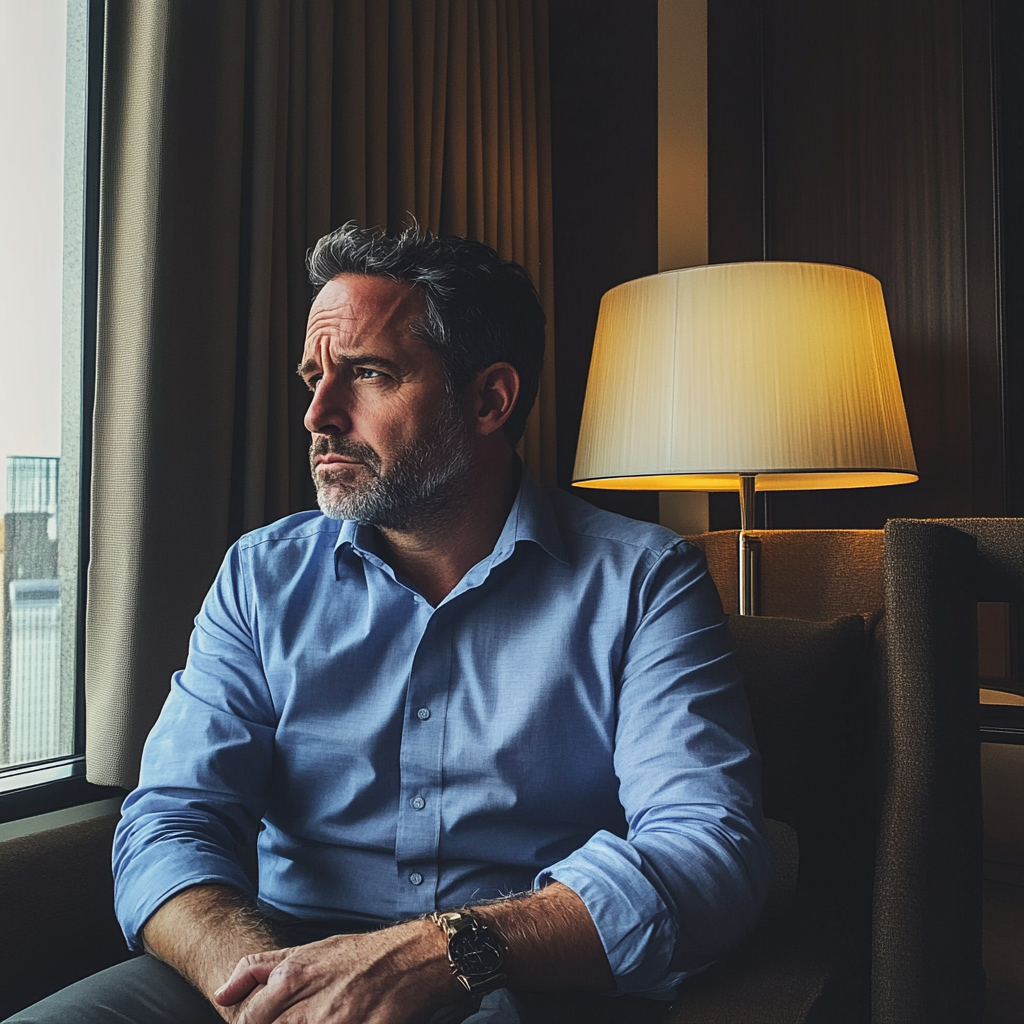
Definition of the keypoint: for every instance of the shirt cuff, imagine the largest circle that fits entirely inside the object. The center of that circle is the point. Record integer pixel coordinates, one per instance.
(161, 871)
(635, 926)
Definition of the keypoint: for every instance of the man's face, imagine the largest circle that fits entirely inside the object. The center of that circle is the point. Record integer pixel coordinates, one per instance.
(389, 444)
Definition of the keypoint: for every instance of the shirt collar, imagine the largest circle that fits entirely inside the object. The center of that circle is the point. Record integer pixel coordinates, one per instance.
(531, 518)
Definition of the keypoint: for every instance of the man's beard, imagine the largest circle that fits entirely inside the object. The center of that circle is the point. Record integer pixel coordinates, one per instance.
(420, 489)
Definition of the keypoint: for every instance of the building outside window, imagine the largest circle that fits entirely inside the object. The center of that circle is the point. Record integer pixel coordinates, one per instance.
(44, 152)
(37, 712)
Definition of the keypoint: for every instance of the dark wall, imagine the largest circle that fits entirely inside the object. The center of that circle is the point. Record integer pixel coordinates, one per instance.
(860, 132)
(604, 149)
(1008, 32)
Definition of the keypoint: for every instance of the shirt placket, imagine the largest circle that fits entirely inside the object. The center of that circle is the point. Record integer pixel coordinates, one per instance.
(420, 769)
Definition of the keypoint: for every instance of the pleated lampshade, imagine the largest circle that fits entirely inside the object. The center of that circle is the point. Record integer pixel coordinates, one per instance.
(784, 371)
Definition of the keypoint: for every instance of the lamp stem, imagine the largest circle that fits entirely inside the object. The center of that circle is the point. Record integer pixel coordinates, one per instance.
(748, 513)
(749, 551)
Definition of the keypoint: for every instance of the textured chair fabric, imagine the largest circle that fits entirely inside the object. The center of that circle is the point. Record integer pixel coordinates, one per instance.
(926, 965)
(805, 574)
(811, 705)
(57, 920)
(927, 961)
(811, 708)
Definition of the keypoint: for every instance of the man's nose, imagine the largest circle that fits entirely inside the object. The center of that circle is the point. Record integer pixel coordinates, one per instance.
(328, 411)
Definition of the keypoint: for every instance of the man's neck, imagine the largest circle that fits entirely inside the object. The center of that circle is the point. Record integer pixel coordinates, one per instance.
(435, 557)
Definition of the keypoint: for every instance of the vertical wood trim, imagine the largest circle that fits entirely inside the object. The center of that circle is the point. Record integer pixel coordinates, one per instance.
(682, 134)
(683, 181)
(736, 173)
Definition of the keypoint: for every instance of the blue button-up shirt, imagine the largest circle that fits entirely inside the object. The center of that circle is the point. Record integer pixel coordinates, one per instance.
(571, 711)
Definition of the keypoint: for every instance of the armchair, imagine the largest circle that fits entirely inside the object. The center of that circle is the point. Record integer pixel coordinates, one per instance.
(915, 823)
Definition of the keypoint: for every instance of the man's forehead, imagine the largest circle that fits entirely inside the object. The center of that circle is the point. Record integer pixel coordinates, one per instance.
(356, 310)
(361, 296)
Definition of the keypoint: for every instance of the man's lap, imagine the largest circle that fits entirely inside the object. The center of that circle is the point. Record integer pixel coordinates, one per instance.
(146, 991)
(138, 991)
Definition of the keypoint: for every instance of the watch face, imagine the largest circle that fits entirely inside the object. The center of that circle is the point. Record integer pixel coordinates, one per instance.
(478, 953)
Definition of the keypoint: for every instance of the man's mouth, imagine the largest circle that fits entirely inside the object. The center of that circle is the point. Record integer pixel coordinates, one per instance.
(328, 454)
(327, 466)
(331, 459)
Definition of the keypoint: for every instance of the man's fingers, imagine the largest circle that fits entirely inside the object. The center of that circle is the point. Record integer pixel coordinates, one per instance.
(250, 973)
(258, 1010)
(235, 989)
(275, 995)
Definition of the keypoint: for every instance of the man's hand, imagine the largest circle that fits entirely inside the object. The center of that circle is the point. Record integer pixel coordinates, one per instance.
(398, 975)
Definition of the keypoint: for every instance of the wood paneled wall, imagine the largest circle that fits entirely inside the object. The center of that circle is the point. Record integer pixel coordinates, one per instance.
(1008, 34)
(860, 132)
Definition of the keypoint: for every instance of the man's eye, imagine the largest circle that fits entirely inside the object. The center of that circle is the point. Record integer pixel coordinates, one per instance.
(367, 372)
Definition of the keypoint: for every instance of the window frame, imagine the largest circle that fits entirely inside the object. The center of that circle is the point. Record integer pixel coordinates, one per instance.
(41, 792)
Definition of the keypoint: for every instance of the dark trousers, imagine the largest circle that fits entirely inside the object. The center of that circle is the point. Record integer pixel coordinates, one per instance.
(139, 991)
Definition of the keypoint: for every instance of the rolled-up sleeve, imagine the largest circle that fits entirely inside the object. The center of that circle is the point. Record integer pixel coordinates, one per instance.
(688, 880)
(205, 767)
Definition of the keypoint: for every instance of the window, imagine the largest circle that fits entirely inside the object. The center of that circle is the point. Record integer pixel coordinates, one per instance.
(48, 163)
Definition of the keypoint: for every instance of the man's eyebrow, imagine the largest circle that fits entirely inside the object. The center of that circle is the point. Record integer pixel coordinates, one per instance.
(309, 367)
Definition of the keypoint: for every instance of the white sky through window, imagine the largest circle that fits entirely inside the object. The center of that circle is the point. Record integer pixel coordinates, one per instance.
(32, 72)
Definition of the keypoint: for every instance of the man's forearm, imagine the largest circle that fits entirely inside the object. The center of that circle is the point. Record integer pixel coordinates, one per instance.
(551, 941)
(208, 934)
(203, 932)
(399, 974)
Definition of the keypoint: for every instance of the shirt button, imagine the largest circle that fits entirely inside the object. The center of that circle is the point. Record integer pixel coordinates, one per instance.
(418, 802)
(416, 878)
(423, 714)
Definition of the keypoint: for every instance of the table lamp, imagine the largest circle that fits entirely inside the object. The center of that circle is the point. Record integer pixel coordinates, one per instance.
(751, 377)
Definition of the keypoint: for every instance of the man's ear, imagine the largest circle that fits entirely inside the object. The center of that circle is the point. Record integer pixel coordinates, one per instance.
(492, 395)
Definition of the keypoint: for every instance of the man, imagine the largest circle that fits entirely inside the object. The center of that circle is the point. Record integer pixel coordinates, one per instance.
(469, 689)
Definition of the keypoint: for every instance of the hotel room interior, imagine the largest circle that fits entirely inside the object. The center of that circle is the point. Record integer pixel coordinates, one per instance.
(598, 142)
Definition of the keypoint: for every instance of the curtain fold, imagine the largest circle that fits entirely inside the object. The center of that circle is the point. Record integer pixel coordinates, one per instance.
(234, 135)
(165, 359)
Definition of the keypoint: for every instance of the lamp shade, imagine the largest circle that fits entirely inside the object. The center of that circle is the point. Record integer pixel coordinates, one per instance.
(780, 370)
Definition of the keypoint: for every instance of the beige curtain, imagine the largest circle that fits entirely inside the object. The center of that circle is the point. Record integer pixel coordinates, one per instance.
(234, 135)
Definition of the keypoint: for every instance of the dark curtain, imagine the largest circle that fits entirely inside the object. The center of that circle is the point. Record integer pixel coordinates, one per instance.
(234, 135)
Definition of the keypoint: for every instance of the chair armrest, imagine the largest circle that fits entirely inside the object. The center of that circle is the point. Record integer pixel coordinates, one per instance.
(57, 921)
(927, 906)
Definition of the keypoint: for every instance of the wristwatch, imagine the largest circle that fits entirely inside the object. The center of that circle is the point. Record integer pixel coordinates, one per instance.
(475, 953)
